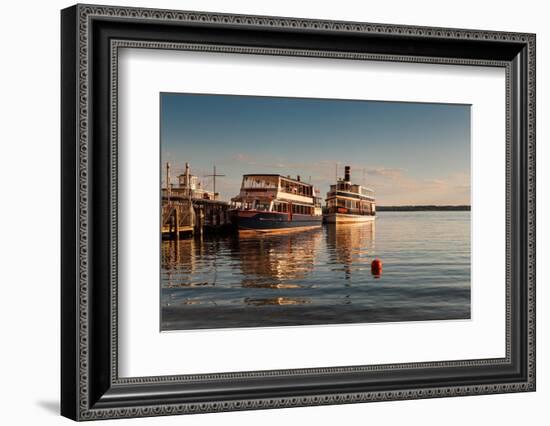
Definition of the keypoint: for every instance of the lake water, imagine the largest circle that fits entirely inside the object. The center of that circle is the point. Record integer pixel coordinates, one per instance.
(321, 276)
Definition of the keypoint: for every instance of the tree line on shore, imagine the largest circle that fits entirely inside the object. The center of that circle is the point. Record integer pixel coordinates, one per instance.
(422, 208)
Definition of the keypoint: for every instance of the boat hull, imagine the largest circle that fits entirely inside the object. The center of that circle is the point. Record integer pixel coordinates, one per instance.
(247, 220)
(347, 218)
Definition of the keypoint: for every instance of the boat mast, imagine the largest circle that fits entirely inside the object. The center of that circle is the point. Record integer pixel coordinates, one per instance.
(188, 180)
(213, 176)
(168, 182)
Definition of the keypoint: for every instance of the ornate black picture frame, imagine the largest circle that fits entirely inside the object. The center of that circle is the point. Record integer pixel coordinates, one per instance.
(91, 37)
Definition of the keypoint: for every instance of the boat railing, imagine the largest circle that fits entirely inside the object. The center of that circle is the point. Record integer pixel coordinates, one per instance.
(346, 210)
(350, 194)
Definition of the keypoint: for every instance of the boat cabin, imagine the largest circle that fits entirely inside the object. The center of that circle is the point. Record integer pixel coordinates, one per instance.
(349, 198)
(276, 193)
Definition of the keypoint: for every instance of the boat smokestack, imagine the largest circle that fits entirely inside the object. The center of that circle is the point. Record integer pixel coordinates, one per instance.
(347, 173)
(298, 178)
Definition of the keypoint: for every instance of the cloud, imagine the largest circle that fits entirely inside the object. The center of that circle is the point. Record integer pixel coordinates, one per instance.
(436, 183)
(243, 158)
(392, 185)
(388, 172)
(395, 186)
(462, 187)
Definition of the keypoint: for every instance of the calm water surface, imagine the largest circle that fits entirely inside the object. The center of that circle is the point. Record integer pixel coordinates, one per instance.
(321, 276)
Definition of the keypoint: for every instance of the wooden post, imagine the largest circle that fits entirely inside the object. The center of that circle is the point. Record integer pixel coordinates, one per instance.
(176, 227)
(170, 224)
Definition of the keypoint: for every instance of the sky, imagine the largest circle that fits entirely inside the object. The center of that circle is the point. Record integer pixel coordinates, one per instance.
(408, 153)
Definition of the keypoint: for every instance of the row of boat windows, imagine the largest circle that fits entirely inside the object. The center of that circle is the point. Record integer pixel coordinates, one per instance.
(285, 186)
(349, 204)
(291, 188)
(279, 207)
(296, 208)
(349, 187)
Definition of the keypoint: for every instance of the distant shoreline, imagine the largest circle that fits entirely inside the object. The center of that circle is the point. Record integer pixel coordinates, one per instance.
(432, 208)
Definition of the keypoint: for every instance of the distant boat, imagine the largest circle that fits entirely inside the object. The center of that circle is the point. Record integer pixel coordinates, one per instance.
(348, 202)
(275, 203)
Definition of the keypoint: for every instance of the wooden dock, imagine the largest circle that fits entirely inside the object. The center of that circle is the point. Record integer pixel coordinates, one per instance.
(184, 218)
(177, 218)
(190, 209)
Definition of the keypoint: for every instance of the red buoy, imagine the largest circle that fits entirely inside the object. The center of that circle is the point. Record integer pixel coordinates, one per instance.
(376, 267)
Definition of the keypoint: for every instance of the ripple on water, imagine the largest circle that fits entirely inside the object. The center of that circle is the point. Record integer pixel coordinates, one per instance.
(321, 276)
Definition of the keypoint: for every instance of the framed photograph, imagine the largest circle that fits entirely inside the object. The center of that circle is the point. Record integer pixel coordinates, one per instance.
(263, 212)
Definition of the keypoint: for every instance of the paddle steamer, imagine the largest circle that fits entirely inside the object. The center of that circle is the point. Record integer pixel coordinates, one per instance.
(348, 202)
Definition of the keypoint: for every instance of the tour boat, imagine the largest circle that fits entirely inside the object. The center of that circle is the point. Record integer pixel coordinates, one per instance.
(348, 202)
(275, 203)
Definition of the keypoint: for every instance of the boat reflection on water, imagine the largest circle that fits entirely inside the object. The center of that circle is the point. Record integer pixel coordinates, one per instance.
(349, 246)
(320, 276)
(178, 261)
(249, 261)
(241, 270)
(273, 260)
(280, 301)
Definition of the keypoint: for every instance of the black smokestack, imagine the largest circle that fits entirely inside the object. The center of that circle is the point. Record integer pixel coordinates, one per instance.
(347, 170)
(298, 178)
